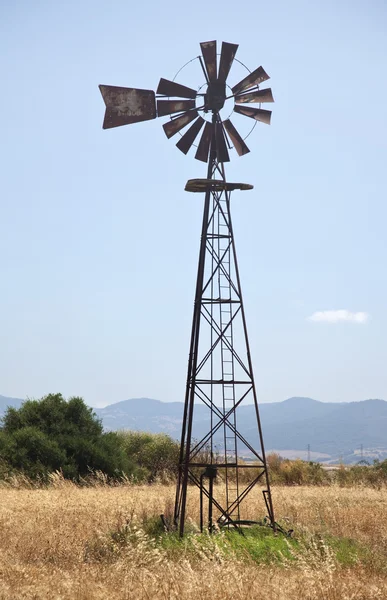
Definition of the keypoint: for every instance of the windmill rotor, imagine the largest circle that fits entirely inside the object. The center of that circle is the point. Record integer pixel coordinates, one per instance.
(187, 107)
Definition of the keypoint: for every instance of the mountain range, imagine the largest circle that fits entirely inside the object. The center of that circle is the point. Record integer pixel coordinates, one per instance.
(332, 430)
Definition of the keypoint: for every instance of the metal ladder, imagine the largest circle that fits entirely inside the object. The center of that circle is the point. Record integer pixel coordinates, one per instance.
(227, 357)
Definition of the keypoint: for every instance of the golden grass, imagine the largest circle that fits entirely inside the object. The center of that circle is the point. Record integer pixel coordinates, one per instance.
(48, 538)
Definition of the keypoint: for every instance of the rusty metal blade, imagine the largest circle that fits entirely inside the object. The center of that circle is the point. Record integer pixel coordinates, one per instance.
(236, 139)
(221, 146)
(258, 96)
(209, 55)
(170, 88)
(255, 113)
(125, 106)
(167, 107)
(175, 125)
(226, 59)
(185, 142)
(255, 78)
(204, 144)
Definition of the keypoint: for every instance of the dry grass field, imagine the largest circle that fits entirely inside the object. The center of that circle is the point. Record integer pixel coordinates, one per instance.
(68, 542)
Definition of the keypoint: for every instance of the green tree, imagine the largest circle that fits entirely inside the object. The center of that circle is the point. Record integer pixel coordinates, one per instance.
(157, 455)
(52, 433)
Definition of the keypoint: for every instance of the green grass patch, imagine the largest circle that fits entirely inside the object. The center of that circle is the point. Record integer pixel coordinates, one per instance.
(347, 551)
(259, 544)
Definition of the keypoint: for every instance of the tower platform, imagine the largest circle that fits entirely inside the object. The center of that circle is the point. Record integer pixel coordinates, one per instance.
(215, 185)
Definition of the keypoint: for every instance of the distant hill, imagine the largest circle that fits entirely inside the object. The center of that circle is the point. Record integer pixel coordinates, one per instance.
(144, 414)
(337, 429)
(5, 402)
(334, 429)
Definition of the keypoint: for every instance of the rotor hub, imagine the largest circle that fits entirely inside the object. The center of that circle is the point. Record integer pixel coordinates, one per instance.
(215, 97)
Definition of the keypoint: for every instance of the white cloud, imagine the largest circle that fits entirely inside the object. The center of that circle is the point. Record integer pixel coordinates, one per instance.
(335, 316)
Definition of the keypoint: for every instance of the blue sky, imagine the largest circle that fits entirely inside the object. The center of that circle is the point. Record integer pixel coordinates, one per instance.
(99, 242)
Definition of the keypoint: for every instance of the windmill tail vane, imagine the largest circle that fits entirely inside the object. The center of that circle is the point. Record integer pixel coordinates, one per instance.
(215, 455)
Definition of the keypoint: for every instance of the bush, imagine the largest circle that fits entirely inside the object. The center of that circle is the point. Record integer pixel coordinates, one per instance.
(296, 472)
(283, 471)
(156, 455)
(51, 434)
(373, 475)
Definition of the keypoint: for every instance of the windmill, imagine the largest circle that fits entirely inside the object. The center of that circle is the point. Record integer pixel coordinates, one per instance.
(220, 388)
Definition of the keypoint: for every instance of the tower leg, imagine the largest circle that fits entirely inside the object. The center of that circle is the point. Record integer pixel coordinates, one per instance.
(185, 444)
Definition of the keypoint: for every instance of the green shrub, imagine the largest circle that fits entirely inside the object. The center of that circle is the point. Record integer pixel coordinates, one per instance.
(296, 472)
(156, 455)
(283, 471)
(51, 434)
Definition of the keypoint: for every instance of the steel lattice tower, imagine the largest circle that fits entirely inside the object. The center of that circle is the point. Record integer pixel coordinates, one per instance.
(220, 376)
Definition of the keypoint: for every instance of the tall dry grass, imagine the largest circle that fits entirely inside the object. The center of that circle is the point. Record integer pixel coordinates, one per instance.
(62, 543)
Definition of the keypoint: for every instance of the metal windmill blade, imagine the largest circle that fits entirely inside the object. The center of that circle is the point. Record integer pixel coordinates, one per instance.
(171, 88)
(226, 59)
(255, 113)
(205, 142)
(168, 107)
(251, 80)
(259, 96)
(209, 56)
(175, 125)
(189, 137)
(239, 143)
